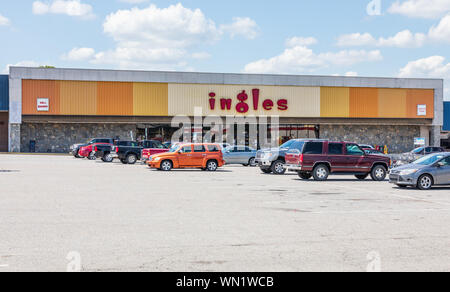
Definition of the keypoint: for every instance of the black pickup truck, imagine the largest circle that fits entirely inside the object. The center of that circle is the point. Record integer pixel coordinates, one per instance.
(127, 151)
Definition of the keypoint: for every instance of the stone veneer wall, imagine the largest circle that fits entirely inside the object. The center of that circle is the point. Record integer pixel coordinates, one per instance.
(57, 138)
(399, 139)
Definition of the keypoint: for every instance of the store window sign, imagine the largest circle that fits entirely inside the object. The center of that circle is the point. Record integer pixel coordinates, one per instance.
(43, 105)
(422, 110)
(244, 101)
(419, 141)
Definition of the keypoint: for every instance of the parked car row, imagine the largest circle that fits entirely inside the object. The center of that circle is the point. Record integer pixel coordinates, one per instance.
(128, 152)
(319, 159)
(179, 155)
(309, 158)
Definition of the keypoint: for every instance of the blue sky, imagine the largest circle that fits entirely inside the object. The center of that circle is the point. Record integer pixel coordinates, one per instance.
(407, 38)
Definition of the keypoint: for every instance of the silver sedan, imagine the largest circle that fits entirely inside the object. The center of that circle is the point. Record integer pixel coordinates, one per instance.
(433, 169)
(240, 155)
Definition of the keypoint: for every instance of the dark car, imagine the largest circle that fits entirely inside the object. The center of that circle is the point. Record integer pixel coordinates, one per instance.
(319, 159)
(415, 154)
(75, 148)
(273, 160)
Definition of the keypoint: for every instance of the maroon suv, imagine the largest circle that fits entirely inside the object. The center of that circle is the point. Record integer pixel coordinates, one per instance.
(319, 159)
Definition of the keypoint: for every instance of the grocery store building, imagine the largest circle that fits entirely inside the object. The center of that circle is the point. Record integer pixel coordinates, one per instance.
(50, 109)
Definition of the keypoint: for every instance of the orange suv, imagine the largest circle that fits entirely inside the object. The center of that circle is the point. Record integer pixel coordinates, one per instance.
(205, 156)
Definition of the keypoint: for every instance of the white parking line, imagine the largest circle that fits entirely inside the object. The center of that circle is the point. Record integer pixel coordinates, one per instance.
(4, 266)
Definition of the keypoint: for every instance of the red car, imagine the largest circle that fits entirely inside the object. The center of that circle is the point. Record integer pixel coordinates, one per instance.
(319, 159)
(151, 148)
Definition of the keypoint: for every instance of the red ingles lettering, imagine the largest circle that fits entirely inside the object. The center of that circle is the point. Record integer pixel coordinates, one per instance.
(283, 105)
(212, 101)
(225, 104)
(242, 106)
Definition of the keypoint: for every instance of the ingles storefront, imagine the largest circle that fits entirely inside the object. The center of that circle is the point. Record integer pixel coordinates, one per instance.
(54, 108)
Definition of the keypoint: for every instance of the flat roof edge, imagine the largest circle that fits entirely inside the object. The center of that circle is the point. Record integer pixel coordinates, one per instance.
(218, 78)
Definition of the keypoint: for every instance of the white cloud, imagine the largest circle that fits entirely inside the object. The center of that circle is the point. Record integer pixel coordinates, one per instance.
(79, 54)
(300, 41)
(20, 64)
(4, 21)
(403, 39)
(421, 8)
(164, 38)
(242, 26)
(431, 67)
(67, 7)
(441, 32)
(301, 59)
(174, 26)
(356, 39)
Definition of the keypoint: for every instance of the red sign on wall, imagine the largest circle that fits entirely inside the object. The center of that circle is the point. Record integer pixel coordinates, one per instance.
(242, 104)
(43, 105)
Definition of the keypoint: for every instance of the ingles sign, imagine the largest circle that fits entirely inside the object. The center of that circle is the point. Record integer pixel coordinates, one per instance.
(242, 102)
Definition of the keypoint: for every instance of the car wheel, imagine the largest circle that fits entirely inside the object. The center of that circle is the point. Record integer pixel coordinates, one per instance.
(92, 156)
(278, 167)
(252, 162)
(378, 173)
(266, 170)
(425, 182)
(304, 175)
(131, 159)
(166, 165)
(321, 172)
(124, 161)
(108, 158)
(211, 165)
(361, 176)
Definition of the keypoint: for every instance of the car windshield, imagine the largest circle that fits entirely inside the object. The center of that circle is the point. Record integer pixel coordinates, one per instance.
(174, 148)
(428, 160)
(417, 150)
(159, 145)
(288, 144)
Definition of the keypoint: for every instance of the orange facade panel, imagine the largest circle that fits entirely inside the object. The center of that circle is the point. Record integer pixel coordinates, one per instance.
(32, 90)
(78, 98)
(150, 99)
(115, 98)
(363, 102)
(420, 97)
(334, 102)
(392, 103)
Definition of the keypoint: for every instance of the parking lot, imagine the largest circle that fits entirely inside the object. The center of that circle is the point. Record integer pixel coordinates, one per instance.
(130, 218)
